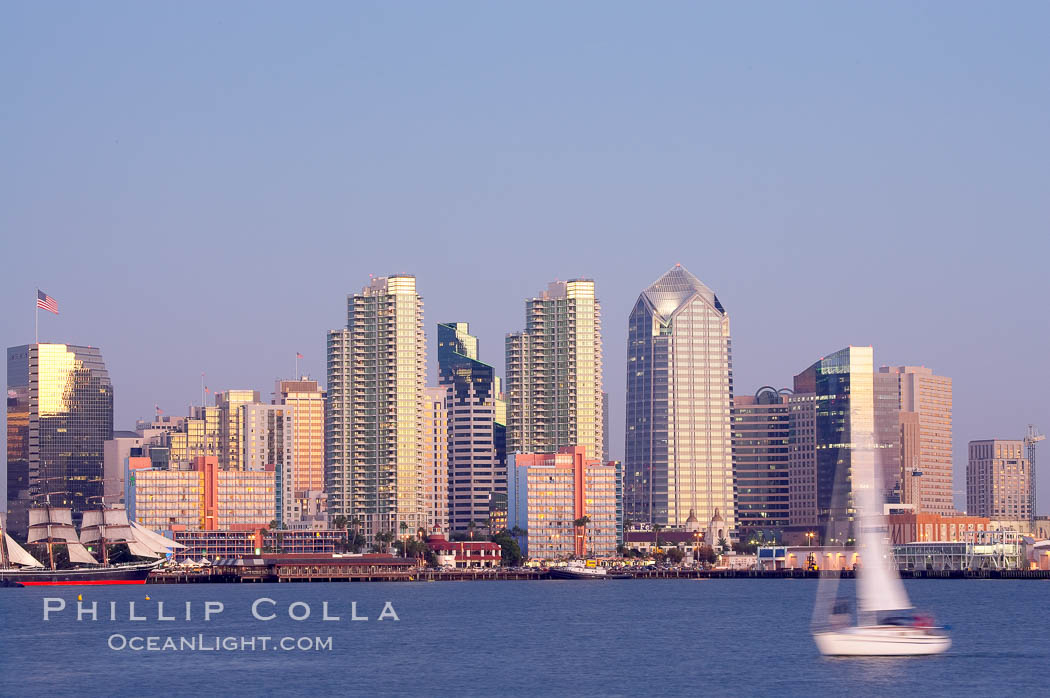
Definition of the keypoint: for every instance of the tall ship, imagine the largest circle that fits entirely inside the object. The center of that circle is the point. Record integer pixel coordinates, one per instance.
(124, 552)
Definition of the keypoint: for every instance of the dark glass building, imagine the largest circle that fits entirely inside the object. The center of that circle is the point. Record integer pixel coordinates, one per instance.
(827, 470)
(477, 433)
(59, 414)
(761, 438)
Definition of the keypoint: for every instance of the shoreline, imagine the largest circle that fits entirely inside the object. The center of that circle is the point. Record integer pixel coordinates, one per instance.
(307, 576)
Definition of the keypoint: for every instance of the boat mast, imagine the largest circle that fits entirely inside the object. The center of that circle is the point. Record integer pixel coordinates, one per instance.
(102, 537)
(50, 552)
(3, 542)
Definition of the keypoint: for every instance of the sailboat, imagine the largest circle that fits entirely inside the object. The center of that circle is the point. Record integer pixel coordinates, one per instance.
(51, 529)
(886, 623)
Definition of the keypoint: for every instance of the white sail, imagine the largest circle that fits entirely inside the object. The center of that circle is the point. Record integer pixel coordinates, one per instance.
(156, 542)
(879, 586)
(78, 553)
(54, 523)
(17, 555)
(91, 518)
(111, 524)
(141, 549)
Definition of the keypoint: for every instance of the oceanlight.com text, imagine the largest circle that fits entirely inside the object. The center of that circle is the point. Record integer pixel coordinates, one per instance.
(216, 643)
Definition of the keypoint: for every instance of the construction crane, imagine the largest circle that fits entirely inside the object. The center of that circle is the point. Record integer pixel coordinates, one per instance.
(1031, 438)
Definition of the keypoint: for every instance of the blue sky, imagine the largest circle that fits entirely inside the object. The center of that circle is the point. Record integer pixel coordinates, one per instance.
(201, 184)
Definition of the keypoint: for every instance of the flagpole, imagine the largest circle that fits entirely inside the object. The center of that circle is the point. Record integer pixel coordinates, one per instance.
(202, 391)
(36, 325)
(295, 376)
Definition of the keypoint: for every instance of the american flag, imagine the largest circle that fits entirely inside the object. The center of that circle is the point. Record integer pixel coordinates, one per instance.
(46, 302)
(298, 355)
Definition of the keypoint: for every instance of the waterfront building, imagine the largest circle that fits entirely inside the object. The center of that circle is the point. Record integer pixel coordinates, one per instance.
(59, 415)
(374, 424)
(924, 436)
(268, 438)
(231, 439)
(834, 398)
(435, 458)
(216, 545)
(679, 391)
(549, 492)
(306, 399)
(554, 372)
(912, 527)
(206, 497)
(761, 443)
(477, 451)
(464, 554)
(998, 480)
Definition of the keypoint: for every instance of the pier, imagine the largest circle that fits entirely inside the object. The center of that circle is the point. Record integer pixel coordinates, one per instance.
(321, 572)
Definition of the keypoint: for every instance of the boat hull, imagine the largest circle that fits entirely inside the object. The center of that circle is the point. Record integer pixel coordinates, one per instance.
(881, 641)
(562, 573)
(136, 574)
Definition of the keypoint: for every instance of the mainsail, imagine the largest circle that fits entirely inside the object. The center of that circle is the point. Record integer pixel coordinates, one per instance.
(879, 586)
(48, 524)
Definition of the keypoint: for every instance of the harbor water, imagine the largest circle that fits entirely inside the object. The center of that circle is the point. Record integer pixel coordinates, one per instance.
(557, 638)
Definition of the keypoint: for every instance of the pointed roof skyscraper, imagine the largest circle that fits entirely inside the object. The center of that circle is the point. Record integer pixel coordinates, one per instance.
(674, 289)
(678, 450)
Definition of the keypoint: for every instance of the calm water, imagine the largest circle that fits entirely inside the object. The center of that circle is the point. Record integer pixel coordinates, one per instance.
(655, 637)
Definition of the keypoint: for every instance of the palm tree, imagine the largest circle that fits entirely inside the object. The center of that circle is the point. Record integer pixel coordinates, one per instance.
(470, 527)
(581, 531)
(656, 529)
(340, 523)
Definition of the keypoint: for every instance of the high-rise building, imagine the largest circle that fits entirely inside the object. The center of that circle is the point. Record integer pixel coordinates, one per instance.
(199, 435)
(267, 435)
(59, 415)
(477, 455)
(435, 459)
(679, 391)
(833, 445)
(924, 427)
(374, 424)
(761, 443)
(548, 493)
(306, 399)
(554, 372)
(998, 480)
(802, 461)
(204, 497)
(231, 442)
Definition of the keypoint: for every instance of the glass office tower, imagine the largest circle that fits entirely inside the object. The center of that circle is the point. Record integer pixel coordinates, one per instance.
(59, 414)
(841, 455)
(679, 390)
(477, 454)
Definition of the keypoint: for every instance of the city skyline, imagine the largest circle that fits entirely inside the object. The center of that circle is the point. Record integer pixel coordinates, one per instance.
(806, 173)
(123, 421)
